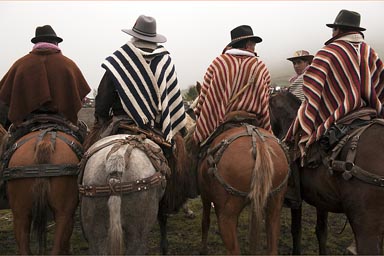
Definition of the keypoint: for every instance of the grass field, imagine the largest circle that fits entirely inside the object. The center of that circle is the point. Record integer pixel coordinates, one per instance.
(184, 234)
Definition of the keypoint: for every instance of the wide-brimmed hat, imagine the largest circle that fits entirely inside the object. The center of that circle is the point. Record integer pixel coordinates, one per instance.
(241, 33)
(347, 19)
(45, 33)
(145, 29)
(301, 54)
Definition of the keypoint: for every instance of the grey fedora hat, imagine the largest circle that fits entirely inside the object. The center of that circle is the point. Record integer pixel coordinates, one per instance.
(145, 29)
(44, 33)
(347, 19)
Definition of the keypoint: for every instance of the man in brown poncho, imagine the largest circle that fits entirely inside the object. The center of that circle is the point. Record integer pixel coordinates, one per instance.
(43, 81)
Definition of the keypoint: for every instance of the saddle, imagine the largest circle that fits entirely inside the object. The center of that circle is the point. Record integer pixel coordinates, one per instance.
(348, 129)
(231, 120)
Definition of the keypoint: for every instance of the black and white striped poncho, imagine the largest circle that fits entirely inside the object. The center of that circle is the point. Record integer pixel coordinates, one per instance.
(148, 88)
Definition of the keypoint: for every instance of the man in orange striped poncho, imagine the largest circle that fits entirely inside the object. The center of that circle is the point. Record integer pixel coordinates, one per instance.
(236, 80)
(345, 75)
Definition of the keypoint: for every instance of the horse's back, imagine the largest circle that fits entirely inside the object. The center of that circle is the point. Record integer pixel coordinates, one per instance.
(138, 165)
(61, 152)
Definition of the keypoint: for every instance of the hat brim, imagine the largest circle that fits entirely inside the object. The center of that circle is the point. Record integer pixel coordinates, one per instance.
(309, 57)
(38, 39)
(345, 26)
(256, 39)
(154, 39)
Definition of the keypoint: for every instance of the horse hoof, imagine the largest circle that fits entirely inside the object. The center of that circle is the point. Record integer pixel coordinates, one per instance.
(190, 214)
(350, 250)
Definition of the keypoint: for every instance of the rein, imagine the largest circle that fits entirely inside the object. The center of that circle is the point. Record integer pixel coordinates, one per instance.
(214, 155)
(135, 141)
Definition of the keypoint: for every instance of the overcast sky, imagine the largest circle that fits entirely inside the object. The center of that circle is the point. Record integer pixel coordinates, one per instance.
(197, 31)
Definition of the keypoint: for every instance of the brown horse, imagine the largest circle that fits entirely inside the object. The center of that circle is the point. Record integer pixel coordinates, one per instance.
(42, 175)
(283, 110)
(357, 194)
(244, 165)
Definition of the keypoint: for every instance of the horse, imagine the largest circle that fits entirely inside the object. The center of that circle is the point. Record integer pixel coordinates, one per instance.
(243, 165)
(358, 194)
(41, 177)
(283, 110)
(127, 185)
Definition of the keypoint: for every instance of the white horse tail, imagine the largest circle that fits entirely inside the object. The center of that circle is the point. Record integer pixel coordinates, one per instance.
(115, 165)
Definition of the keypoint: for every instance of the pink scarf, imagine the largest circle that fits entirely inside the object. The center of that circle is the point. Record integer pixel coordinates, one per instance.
(45, 45)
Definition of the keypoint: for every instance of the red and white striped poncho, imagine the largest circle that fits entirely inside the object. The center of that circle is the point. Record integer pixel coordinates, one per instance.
(225, 77)
(345, 75)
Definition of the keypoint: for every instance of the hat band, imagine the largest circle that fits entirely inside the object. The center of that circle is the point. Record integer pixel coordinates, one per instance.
(143, 32)
(241, 37)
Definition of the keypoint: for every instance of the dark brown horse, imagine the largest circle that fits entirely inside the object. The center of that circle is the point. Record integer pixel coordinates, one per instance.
(42, 175)
(283, 110)
(244, 165)
(357, 194)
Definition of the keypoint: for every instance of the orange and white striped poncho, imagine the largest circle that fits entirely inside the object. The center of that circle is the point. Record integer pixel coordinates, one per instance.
(224, 79)
(345, 75)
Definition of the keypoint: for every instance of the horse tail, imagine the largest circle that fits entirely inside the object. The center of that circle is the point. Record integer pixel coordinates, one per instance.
(115, 164)
(43, 152)
(179, 185)
(40, 212)
(42, 155)
(261, 185)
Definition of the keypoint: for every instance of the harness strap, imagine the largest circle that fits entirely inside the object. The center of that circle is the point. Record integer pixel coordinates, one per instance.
(76, 148)
(155, 180)
(214, 156)
(348, 167)
(42, 170)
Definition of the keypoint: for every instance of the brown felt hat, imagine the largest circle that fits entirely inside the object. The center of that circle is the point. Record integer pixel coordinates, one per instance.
(145, 29)
(241, 33)
(45, 33)
(347, 19)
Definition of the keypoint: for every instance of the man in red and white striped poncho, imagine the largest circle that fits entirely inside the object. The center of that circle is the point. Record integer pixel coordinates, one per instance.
(345, 75)
(236, 80)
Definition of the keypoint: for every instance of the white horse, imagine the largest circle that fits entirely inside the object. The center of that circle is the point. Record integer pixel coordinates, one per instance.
(121, 190)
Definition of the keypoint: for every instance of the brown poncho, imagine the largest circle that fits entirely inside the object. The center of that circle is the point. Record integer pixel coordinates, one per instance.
(43, 78)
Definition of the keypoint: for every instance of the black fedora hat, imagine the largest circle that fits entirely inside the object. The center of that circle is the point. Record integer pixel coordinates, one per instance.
(347, 19)
(241, 33)
(145, 29)
(44, 33)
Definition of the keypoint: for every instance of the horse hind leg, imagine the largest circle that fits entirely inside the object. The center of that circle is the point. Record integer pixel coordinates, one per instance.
(20, 202)
(63, 199)
(272, 221)
(296, 216)
(205, 223)
(322, 230)
(227, 218)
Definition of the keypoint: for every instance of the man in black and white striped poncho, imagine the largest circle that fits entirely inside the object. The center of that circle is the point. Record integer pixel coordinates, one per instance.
(301, 60)
(140, 81)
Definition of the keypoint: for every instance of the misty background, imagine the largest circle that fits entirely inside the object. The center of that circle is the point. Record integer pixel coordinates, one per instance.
(197, 31)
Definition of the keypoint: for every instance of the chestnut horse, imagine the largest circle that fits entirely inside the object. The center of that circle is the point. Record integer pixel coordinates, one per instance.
(357, 194)
(42, 176)
(244, 165)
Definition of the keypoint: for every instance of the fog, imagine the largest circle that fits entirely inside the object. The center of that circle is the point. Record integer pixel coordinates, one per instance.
(197, 31)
